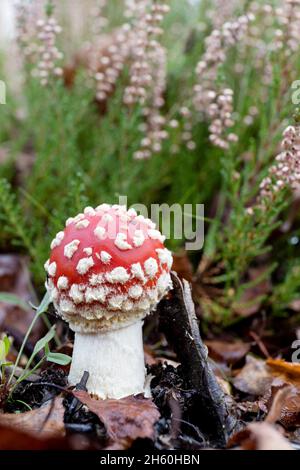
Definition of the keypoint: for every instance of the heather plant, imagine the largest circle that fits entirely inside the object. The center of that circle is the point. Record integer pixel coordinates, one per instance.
(164, 102)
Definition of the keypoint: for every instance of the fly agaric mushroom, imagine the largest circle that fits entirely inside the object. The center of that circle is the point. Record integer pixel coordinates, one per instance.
(107, 270)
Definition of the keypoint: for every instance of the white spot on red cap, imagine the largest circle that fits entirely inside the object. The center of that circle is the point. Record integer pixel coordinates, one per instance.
(105, 257)
(95, 294)
(151, 267)
(119, 209)
(121, 242)
(164, 283)
(88, 251)
(132, 212)
(52, 269)
(137, 271)
(138, 238)
(96, 279)
(100, 232)
(135, 292)
(107, 218)
(63, 283)
(115, 302)
(124, 218)
(89, 211)
(66, 306)
(76, 294)
(165, 256)
(46, 265)
(150, 223)
(83, 224)
(69, 221)
(78, 218)
(156, 235)
(84, 265)
(140, 218)
(71, 248)
(54, 294)
(57, 240)
(118, 275)
(103, 207)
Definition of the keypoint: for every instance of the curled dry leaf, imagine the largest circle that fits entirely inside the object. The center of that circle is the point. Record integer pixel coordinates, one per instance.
(254, 378)
(288, 371)
(285, 407)
(279, 392)
(125, 420)
(290, 412)
(42, 423)
(260, 436)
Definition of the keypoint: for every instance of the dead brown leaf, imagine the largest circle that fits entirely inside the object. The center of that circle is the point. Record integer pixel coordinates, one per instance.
(254, 378)
(43, 423)
(11, 439)
(287, 371)
(260, 436)
(228, 352)
(282, 403)
(279, 392)
(285, 407)
(290, 412)
(125, 420)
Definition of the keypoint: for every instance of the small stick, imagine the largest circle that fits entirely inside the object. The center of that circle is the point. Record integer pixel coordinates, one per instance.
(260, 344)
(75, 403)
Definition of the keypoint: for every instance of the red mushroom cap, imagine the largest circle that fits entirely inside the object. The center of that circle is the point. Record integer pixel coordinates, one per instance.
(108, 268)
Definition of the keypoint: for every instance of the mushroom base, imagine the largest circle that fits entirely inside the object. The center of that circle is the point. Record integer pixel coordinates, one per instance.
(114, 360)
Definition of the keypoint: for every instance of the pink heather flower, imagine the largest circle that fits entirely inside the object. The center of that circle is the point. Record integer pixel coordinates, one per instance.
(285, 173)
(108, 54)
(107, 58)
(26, 30)
(147, 76)
(49, 56)
(214, 103)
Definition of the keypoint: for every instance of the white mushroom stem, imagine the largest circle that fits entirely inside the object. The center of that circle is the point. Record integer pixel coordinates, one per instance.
(114, 360)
